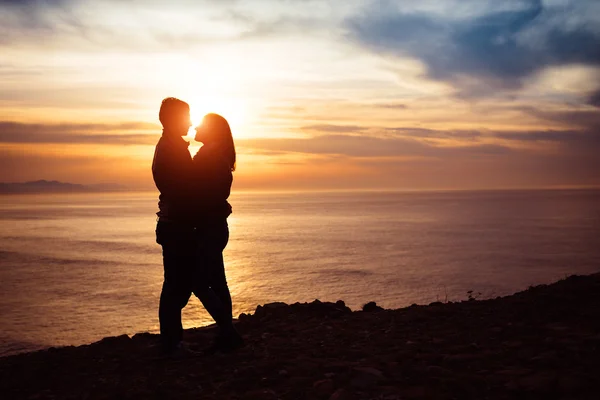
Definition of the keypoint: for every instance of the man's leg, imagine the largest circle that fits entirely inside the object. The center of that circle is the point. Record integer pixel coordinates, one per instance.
(176, 288)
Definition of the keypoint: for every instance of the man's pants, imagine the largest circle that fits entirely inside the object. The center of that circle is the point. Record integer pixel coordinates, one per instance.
(177, 241)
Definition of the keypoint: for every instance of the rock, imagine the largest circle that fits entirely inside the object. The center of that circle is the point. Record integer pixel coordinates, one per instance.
(570, 384)
(417, 392)
(266, 394)
(435, 370)
(115, 340)
(538, 382)
(340, 303)
(461, 358)
(371, 306)
(365, 377)
(298, 381)
(514, 372)
(545, 357)
(277, 304)
(462, 350)
(143, 336)
(259, 311)
(370, 371)
(324, 387)
(340, 394)
(244, 317)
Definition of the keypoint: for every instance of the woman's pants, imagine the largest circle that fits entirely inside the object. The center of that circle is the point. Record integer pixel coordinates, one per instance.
(211, 239)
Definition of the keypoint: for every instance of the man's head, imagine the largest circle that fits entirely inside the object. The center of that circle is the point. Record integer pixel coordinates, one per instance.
(174, 115)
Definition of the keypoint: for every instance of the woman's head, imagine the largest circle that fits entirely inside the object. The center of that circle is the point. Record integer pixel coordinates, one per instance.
(215, 130)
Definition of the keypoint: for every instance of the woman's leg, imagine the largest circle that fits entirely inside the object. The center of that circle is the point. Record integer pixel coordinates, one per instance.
(211, 242)
(218, 283)
(217, 279)
(211, 300)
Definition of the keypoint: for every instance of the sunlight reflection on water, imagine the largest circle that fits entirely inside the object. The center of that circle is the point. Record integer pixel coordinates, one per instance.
(76, 268)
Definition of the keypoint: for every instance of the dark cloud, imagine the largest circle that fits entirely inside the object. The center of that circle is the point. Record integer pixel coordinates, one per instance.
(116, 134)
(496, 50)
(39, 22)
(594, 99)
(31, 3)
(588, 141)
(585, 119)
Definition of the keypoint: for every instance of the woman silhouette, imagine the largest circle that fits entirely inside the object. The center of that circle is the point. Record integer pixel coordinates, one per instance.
(213, 170)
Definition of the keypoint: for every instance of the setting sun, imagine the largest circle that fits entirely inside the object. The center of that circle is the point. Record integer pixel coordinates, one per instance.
(232, 109)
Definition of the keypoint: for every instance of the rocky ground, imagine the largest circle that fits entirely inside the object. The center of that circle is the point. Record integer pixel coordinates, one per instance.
(540, 343)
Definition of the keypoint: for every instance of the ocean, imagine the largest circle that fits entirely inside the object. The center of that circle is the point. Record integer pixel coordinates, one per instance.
(76, 268)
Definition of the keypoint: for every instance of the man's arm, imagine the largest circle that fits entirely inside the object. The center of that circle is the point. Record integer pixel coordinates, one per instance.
(171, 170)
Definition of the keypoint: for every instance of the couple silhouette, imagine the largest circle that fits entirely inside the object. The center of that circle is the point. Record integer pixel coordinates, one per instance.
(192, 223)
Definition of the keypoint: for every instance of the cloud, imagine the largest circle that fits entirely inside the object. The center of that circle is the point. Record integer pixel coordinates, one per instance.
(392, 142)
(588, 140)
(368, 146)
(148, 26)
(587, 119)
(19, 166)
(391, 106)
(424, 133)
(594, 99)
(30, 3)
(334, 128)
(13, 132)
(113, 25)
(417, 133)
(483, 53)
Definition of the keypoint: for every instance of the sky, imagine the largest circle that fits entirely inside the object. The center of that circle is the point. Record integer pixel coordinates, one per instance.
(321, 95)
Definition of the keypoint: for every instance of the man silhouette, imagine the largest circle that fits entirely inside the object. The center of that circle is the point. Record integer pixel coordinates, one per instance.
(171, 169)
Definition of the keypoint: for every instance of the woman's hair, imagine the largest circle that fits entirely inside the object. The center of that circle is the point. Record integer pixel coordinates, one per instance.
(220, 131)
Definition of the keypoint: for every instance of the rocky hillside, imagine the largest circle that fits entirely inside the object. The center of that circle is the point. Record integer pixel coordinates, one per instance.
(543, 343)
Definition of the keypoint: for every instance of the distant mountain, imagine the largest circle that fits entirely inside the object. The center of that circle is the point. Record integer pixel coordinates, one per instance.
(43, 186)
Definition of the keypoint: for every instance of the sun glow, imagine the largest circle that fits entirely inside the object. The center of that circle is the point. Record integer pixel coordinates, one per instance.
(232, 109)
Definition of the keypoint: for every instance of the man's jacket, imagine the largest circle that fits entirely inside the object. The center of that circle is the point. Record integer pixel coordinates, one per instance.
(171, 170)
